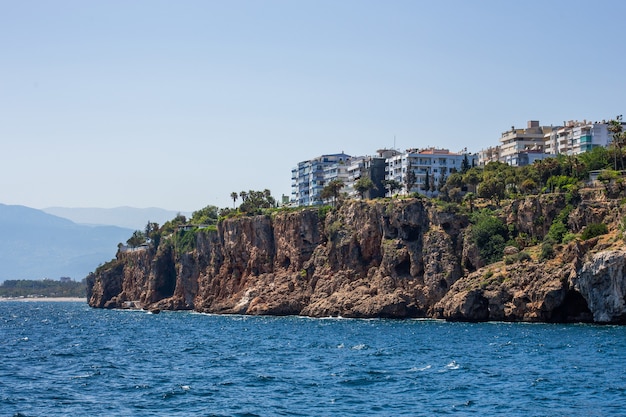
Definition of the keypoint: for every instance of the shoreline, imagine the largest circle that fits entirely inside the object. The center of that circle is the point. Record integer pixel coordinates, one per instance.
(51, 299)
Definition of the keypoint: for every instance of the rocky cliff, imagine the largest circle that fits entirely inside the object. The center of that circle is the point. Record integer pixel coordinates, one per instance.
(394, 259)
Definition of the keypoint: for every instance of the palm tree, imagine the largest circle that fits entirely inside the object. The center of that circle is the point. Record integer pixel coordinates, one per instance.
(363, 185)
(234, 196)
(243, 195)
(332, 190)
(391, 186)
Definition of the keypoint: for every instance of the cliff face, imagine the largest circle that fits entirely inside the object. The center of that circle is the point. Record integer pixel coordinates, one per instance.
(405, 258)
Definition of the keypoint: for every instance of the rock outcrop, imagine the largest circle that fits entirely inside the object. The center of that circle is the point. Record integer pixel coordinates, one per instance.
(393, 259)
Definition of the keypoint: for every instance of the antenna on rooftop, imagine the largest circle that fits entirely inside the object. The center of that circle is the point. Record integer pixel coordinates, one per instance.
(394, 141)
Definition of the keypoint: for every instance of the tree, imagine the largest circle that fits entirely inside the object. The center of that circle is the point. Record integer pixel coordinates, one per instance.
(409, 179)
(546, 168)
(332, 190)
(442, 181)
(138, 238)
(426, 186)
(454, 180)
(470, 197)
(153, 233)
(455, 194)
(596, 159)
(170, 226)
(392, 185)
(528, 186)
(472, 177)
(255, 201)
(234, 196)
(492, 189)
(207, 215)
(465, 165)
(619, 140)
(363, 185)
(244, 196)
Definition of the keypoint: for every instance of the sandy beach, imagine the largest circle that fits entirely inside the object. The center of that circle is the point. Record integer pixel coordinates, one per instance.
(55, 299)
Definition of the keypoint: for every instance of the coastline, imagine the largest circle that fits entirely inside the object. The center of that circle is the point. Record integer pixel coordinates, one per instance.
(52, 299)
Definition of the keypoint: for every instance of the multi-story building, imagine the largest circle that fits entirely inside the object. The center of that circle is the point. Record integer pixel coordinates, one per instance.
(372, 167)
(432, 164)
(576, 137)
(491, 154)
(311, 176)
(515, 144)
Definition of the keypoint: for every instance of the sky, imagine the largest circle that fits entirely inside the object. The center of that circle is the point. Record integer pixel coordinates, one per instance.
(176, 104)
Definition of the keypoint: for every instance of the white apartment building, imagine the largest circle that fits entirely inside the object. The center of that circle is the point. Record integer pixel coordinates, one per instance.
(576, 137)
(520, 147)
(311, 176)
(436, 164)
(490, 154)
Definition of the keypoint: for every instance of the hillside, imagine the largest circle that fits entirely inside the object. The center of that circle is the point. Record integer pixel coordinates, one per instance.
(36, 245)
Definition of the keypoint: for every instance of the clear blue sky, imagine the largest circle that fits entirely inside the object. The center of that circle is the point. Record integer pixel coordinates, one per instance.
(176, 104)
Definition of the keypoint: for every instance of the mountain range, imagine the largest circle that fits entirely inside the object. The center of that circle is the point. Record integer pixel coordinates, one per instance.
(36, 245)
(127, 217)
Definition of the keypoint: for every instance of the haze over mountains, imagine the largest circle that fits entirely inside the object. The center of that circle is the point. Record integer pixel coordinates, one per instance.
(37, 245)
(127, 217)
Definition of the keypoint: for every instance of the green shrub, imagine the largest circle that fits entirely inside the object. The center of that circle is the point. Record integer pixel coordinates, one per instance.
(593, 230)
(557, 231)
(547, 251)
(561, 183)
(510, 259)
(518, 257)
(186, 241)
(490, 235)
(323, 211)
(568, 237)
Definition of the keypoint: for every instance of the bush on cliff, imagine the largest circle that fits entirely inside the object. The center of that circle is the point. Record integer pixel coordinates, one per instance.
(594, 230)
(490, 235)
(185, 240)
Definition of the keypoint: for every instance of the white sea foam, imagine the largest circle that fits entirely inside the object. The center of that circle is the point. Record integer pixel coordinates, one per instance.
(422, 369)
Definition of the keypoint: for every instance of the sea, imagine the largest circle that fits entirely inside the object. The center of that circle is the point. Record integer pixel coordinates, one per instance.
(67, 359)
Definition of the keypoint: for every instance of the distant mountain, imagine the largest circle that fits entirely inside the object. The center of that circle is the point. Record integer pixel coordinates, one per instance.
(129, 217)
(36, 245)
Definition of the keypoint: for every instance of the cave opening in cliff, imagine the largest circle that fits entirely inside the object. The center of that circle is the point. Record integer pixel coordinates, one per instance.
(403, 268)
(410, 233)
(165, 282)
(574, 309)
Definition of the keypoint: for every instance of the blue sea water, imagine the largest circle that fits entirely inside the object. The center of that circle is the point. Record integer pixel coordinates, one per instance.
(66, 359)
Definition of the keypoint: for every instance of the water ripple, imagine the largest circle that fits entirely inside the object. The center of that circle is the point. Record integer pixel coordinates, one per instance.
(60, 359)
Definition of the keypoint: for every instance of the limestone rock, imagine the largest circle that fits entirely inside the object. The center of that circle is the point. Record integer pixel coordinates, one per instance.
(602, 282)
(395, 259)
